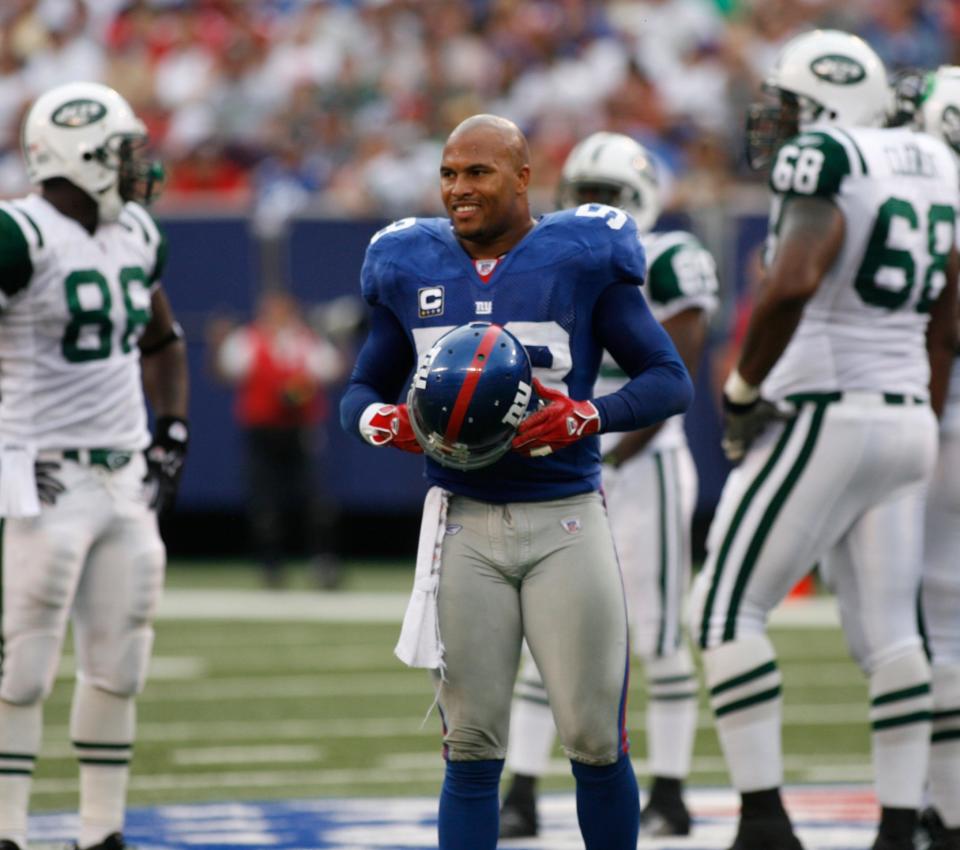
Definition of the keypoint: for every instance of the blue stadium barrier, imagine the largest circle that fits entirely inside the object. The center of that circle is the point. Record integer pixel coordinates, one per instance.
(214, 269)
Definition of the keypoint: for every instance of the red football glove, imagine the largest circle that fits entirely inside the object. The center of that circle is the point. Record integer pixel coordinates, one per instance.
(562, 422)
(389, 424)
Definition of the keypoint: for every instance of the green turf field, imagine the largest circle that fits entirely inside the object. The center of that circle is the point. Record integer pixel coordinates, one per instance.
(246, 706)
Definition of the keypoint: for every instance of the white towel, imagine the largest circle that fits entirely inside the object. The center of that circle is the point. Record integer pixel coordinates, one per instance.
(420, 644)
(18, 481)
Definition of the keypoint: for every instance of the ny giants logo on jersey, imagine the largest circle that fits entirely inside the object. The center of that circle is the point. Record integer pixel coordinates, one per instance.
(484, 308)
(430, 301)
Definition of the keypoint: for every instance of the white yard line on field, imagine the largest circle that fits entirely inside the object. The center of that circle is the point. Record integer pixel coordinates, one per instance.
(195, 756)
(57, 742)
(351, 607)
(402, 769)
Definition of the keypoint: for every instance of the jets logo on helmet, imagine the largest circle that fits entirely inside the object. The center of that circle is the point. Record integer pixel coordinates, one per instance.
(824, 76)
(840, 70)
(470, 393)
(78, 113)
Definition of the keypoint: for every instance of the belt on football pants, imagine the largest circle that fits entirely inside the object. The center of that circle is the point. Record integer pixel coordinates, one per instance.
(857, 397)
(108, 458)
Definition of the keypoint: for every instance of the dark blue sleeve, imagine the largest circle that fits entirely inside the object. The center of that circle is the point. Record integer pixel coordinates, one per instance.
(659, 385)
(381, 370)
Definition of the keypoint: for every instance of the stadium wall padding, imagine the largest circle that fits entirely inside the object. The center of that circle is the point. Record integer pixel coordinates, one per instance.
(215, 269)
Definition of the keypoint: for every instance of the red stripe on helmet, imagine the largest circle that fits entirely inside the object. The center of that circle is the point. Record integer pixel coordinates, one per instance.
(474, 370)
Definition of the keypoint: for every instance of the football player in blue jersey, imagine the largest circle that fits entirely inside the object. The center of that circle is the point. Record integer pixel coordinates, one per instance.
(520, 547)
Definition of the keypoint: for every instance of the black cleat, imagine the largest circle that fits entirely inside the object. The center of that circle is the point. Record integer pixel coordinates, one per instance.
(766, 834)
(114, 841)
(656, 821)
(327, 572)
(665, 813)
(518, 819)
(949, 839)
(898, 828)
(7, 844)
(885, 842)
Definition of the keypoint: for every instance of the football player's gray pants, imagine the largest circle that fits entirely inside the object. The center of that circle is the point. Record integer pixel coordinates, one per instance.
(546, 571)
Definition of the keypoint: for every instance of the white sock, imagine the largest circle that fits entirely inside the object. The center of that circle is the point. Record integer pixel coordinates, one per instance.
(532, 730)
(671, 714)
(745, 694)
(102, 729)
(900, 707)
(944, 776)
(21, 727)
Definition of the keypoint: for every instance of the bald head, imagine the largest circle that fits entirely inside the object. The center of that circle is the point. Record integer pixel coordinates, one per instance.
(484, 174)
(492, 127)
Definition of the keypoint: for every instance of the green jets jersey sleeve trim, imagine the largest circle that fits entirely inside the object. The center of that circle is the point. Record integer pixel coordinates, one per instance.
(16, 264)
(815, 164)
(682, 275)
(153, 236)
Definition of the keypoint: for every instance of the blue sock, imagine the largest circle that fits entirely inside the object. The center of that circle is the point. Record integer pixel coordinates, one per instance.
(608, 805)
(469, 816)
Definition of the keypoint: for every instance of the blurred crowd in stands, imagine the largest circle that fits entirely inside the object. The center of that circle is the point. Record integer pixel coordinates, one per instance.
(340, 107)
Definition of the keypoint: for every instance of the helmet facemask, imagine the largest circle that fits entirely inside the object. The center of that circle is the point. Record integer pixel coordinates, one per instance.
(780, 115)
(587, 191)
(139, 177)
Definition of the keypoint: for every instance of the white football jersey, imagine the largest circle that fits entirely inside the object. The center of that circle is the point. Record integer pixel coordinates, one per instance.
(864, 329)
(681, 274)
(70, 320)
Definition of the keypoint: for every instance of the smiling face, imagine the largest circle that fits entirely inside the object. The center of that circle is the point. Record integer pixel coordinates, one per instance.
(483, 182)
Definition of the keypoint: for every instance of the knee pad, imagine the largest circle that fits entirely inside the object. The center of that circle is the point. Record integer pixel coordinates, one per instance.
(127, 673)
(29, 667)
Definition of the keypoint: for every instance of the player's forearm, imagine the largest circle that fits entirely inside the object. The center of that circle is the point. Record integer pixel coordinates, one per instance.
(381, 369)
(166, 380)
(942, 337)
(659, 385)
(811, 236)
(663, 389)
(772, 326)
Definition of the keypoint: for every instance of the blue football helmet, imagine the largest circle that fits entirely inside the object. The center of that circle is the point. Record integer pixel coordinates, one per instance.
(470, 392)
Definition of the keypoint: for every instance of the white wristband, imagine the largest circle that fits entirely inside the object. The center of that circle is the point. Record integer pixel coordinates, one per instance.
(737, 390)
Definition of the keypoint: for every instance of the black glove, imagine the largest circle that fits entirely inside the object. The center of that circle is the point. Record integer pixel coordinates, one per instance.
(165, 457)
(909, 91)
(48, 485)
(743, 423)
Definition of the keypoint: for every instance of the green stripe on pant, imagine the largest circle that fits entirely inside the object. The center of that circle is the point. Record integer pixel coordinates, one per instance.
(731, 534)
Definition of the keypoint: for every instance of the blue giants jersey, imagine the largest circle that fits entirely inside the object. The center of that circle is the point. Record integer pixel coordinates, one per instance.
(543, 291)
